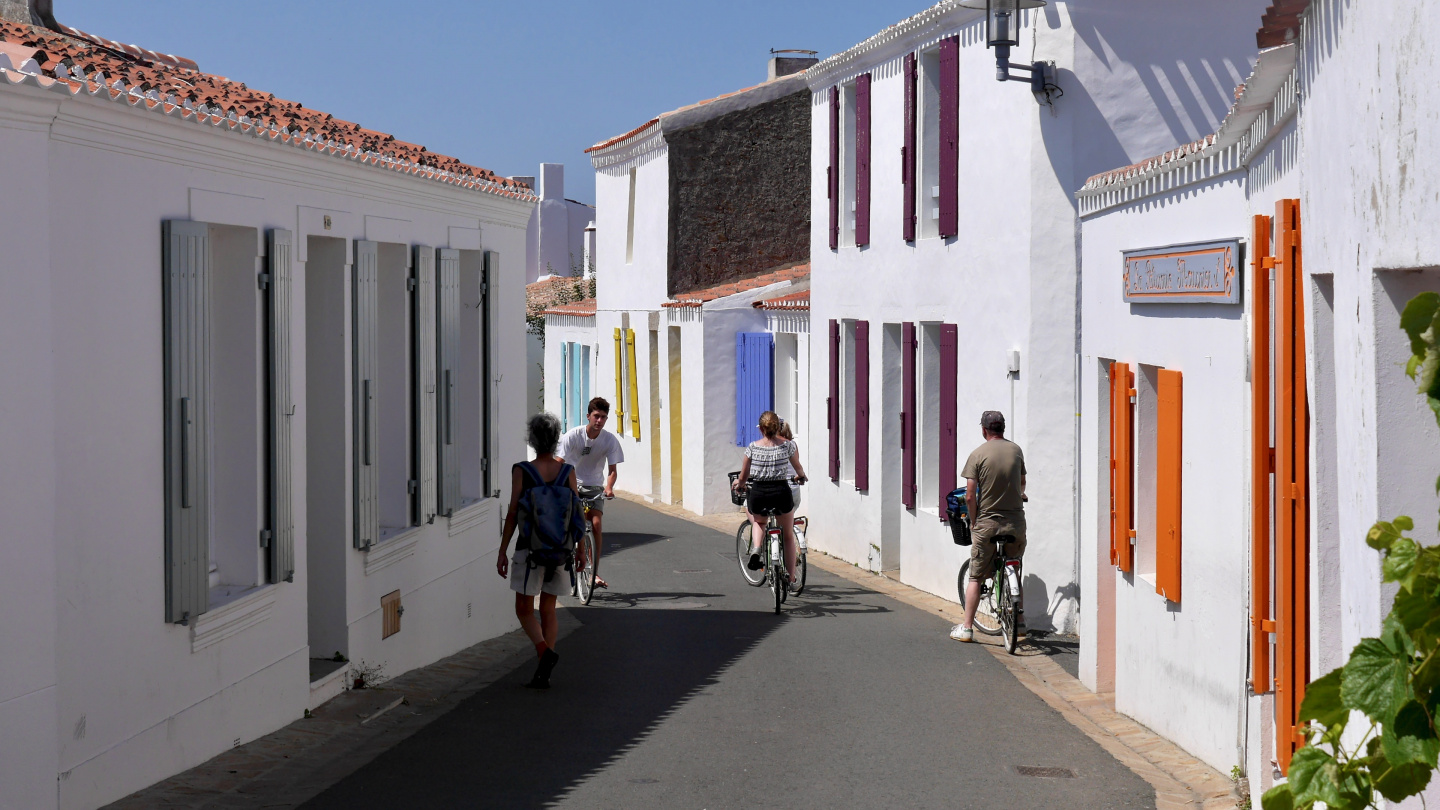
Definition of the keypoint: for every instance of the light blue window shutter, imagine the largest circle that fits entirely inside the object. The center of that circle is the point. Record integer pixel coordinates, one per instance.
(564, 376)
(186, 325)
(584, 376)
(281, 246)
(446, 376)
(364, 324)
(423, 320)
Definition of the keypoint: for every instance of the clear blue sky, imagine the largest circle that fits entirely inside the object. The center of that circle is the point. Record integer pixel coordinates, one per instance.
(503, 84)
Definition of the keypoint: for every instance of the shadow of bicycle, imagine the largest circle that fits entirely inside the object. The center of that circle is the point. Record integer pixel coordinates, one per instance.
(824, 601)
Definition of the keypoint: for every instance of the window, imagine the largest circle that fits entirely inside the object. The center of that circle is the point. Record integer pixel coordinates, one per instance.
(228, 525)
(1146, 411)
(928, 422)
(630, 222)
(390, 391)
(575, 387)
(928, 206)
(1122, 466)
(848, 164)
(847, 401)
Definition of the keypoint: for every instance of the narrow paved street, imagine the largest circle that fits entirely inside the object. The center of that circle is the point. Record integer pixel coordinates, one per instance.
(682, 689)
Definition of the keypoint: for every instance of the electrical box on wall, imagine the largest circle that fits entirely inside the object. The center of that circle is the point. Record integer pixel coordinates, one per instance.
(1014, 359)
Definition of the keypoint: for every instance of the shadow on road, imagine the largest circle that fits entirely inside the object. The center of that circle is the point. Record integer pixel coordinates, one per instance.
(821, 601)
(618, 678)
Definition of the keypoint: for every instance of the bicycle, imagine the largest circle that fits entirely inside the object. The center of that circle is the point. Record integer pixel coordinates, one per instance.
(1000, 608)
(586, 573)
(772, 569)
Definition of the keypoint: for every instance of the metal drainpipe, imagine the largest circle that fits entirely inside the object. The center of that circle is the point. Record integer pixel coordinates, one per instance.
(1078, 398)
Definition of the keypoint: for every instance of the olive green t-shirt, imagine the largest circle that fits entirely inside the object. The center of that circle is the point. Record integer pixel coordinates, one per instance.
(998, 466)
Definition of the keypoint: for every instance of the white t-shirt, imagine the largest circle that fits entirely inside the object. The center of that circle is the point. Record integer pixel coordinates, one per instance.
(590, 457)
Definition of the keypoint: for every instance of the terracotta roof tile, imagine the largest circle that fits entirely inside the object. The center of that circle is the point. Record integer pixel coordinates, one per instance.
(542, 295)
(1281, 23)
(793, 301)
(695, 298)
(175, 86)
(580, 309)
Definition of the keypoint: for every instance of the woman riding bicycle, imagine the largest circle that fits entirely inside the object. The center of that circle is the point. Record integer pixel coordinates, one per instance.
(766, 470)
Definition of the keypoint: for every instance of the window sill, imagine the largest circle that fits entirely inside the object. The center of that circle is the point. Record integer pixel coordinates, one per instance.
(1149, 578)
(391, 550)
(248, 610)
(471, 515)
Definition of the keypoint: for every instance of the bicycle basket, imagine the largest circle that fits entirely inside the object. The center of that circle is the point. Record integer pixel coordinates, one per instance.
(737, 496)
(959, 529)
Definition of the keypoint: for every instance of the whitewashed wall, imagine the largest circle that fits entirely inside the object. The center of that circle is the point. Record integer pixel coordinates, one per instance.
(111, 697)
(1180, 669)
(1132, 89)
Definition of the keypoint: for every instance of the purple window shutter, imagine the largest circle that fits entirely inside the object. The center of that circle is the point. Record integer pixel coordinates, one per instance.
(862, 405)
(833, 400)
(907, 154)
(862, 160)
(907, 415)
(949, 136)
(832, 179)
(949, 392)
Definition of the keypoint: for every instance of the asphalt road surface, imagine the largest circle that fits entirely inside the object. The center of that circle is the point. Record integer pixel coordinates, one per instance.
(682, 689)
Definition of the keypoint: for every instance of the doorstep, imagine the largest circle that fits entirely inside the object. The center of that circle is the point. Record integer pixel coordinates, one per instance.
(327, 680)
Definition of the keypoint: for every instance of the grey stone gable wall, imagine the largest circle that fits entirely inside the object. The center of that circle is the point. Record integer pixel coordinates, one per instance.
(740, 194)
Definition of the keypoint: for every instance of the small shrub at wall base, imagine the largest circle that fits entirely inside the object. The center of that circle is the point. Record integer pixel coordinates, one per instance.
(1389, 689)
(367, 676)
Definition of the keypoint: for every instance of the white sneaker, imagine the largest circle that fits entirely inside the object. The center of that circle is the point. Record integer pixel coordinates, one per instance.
(962, 633)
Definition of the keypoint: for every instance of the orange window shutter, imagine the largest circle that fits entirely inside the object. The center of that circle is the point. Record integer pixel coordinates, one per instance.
(1261, 454)
(1168, 463)
(1292, 535)
(1114, 466)
(1124, 467)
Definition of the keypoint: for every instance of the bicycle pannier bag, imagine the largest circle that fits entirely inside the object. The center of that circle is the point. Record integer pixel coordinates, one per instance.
(957, 518)
(551, 521)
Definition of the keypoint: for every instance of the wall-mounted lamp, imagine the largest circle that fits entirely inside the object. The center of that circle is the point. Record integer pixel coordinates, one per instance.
(1002, 31)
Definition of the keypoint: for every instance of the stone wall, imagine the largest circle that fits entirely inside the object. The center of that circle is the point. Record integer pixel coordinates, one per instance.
(740, 194)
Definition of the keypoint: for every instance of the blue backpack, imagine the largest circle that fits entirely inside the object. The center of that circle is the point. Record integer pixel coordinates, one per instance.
(551, 520)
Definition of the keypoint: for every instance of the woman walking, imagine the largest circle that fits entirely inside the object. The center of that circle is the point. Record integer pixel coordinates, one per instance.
(766, 470)
(543, 434)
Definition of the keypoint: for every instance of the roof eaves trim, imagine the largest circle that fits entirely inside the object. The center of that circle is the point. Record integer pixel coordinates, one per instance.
(1266, 102)
(171, 107)
(902, 37)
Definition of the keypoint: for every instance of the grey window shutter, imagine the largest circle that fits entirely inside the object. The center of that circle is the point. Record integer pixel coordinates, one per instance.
(447, 303)
(185, 255)
(282, 521)
(363, 331)
(424, 384)
(487, 386)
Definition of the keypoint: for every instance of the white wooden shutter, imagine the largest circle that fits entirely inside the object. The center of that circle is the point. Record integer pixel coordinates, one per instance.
(364, 324)
(424, 384)
(281, 506)
(185, 255)
(488, 340)
(446, 374)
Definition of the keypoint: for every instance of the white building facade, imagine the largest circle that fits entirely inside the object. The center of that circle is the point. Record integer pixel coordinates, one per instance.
(265, 379)
(945, 262)
(1291, 427)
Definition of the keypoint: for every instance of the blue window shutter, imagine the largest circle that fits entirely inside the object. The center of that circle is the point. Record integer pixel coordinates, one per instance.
(564, 376)
(742, 390)
(764, 363)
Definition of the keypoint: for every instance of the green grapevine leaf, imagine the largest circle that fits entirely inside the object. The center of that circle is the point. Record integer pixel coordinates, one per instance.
(1382, 535)
(1375, 680)
(1400, 560)
(1404, 523)
(1420, 313)
(1280, 798)
(1396, 782)
(1315, 777)
(1410, 738)
(1322, 701)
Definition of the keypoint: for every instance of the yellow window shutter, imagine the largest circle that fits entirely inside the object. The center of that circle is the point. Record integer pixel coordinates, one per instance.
(634, 383)
(619, 383)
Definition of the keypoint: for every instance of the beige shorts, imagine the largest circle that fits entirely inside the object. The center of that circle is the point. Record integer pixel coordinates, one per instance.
(535, 584)
(982, 546)
(592, 498)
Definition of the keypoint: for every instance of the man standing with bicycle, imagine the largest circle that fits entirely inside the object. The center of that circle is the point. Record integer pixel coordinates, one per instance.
(995, 500)
(596, 456)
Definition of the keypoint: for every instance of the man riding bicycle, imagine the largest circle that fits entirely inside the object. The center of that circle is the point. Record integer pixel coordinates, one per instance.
(995, 499)
(589, 449)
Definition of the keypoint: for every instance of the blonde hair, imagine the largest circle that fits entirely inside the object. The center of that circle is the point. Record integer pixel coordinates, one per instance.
(785, 432)
(769, 424)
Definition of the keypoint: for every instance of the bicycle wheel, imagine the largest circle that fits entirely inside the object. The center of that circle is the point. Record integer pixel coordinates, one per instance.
(1005, 609)
(585, 574)
(986, 614)
(742, 554)
(798, 586)
(776, 569)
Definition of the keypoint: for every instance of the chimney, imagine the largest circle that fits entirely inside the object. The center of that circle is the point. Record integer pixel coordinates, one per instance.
(788, 61)
(39, 13)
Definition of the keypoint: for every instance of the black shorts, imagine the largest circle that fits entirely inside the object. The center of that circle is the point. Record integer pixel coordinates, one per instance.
(774, 496)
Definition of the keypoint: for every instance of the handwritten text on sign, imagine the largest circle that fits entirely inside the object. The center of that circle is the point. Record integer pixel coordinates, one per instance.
(1200, 273)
